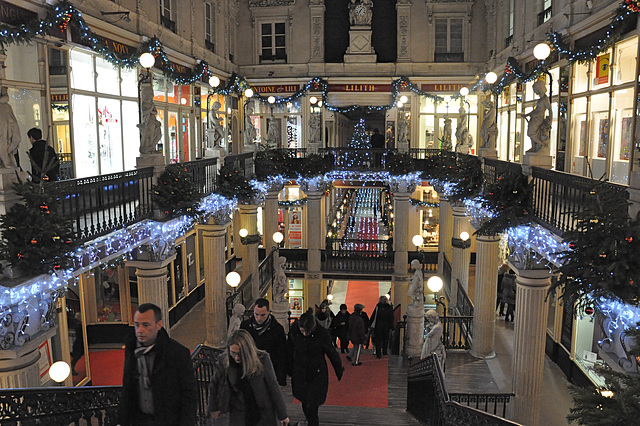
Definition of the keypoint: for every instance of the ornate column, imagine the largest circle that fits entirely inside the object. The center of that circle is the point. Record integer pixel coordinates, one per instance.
(270, 217)
(529, 342)
(317, 8)
(484, 313)
(213, 245)
(249, 221)
(403, 8)
(446, 231)
(460, 255)
(402, 190)
(314, 189)
(152, 283)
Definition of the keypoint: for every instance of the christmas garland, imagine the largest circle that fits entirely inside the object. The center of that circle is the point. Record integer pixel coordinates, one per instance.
(293, 203)
(419, 203)
(175, 191)
(399, 164)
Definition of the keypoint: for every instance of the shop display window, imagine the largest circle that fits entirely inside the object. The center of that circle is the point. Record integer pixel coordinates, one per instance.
(427, 128)
(82, 75)
(296, 297)
(622, 135)
(580, 77)
(190, 262)
(599, 133)
(107, 77)
(133, 290)
(107, 291)
(22, 62)
(131, 133)
(178, 275)
(427, 105)
(110, 136)
(587, 334)
(129, 82)
(579, 135)
(626, 53)
(85, 135)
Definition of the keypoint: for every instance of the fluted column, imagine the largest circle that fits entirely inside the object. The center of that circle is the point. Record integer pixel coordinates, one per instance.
(484, 313)
(270, 220)
(460, 254)
(314, 230)
(152, 284)
(249, 221)
(213, 246)
(529, 343)
(446, 231)
(400, 241)
(314, 291)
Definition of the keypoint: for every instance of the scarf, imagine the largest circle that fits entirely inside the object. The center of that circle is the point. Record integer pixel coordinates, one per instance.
(141, 359)
(261, 328)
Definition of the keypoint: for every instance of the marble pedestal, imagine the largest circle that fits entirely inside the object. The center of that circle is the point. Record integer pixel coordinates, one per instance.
(415, 330)
(280, 311)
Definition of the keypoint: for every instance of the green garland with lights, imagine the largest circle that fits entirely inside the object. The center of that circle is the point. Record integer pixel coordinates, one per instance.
(399, 164)
(175, 192)
(293, 203)
(233, 183)
(419, 203)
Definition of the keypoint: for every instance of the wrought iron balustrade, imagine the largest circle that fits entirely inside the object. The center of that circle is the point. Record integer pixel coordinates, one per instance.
(493, 169)
(266, 273)
(242, 162)
(296, 259)
(203, 173)
(457, 332)
(242, 294)
(204, 360)
(356, 262)
(464, 305)
(373, 159)
(358, 248)
(429, 401)
(493, 403)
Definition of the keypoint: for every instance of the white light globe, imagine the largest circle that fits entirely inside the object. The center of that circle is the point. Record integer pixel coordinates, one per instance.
(447, 99)
(464, 235)
(248, 93)
(214, 81)
(464, 91)
(313, 100)
(329, 296)
(403, 99)
(233, 279)
(541, 51)
(434, 283)
(278, 237)
(319, 103)
(271, 99)
(417, 240)
(243, 233)
(491, 77)
(147, 60)
(59, 371)
(400, 104)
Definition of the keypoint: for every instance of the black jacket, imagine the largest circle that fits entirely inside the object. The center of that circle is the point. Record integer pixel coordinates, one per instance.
(173, 384)
(383, 316)
(340, 325)
(272, 340)
(310, 375)
(37, 153)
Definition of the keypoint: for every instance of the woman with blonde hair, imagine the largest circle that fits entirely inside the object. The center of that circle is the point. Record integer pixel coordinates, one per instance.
(244, 385)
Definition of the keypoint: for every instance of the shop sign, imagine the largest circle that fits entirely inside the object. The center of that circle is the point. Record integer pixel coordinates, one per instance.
(602, 69)
(442, 87)
(14, 15)
(276, 88)
(119, 48)
(360, 88)
(63, 97)
(181, 69)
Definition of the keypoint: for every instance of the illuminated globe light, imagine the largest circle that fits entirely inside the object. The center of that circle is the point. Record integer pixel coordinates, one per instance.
(329, 297)
(491, 77)
(541, 51)
(183, 101)
(214, 81)
(400, 104)
(243, 233)
(233, 279)
(59, 371)
(464, 91)
(277, 237)
(434, 284)
(464, 235)
(313, 100)
(147, 60)
(271, 99)
(319, 103)
(417, 240)
(447, 99)
(404, 99)
(248, 93)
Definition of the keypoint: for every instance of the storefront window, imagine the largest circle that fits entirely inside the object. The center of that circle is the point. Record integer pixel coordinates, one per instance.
(580, 77)
(107, 295)
(160, 88)
(626, 53)
(27, 107)
(85, 135)
(22, 63)
(109, 134)
(278, 125)
(586, 347)
(599, 133)
(579, 135)
(131, 134)
(622, 117)
(82, 75)
(296, 299)
(107, 77)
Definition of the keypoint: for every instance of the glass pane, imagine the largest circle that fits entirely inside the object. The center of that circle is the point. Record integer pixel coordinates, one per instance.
(280, 28)
(85, 138)
(190, 255)
(82, 76)
(133, 290)
(428, 138)
(131, 135)
(173, 93)
(602, 71)
(107, 77)
(580, 77)
(294, 131)
(626, 61)
(110, 135)
(178, 274)
(266, 42)
(27, 108)
(426, 104)
(579, 135)
(22, 63)
(622, 116)
(279, 41)
(186, 140)
(107, 290)
(159, 88)
(185, 95)
(129, 82)
(77, 345)
(163, 142)
(173, 138)
(266, 29)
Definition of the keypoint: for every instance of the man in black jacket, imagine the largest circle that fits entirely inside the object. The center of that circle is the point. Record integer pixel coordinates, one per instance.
(381, 325)
(49, 166)
(269, 336)
(158, 384)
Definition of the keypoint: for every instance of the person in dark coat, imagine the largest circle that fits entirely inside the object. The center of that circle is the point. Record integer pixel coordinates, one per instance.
(269, 336)
(340, 328)
(509, 294)
(158, 383)
(309, 344)
(381, 325)
(39, 150)
(367, 332)
(499, 301)
(357, 334)
(245, 383)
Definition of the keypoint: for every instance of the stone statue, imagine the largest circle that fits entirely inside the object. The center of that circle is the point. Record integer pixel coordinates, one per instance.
(215, 131)
(539, 124)
(446, 135)
(416, 285)
(150, 127)
(237, 315)
(314, 128)
(250, 131)
(403, 129)
(271, 141)
(360, 12)
(9, 132)
(488, 129)
(280, 279)
(433, 342)
(464, 140)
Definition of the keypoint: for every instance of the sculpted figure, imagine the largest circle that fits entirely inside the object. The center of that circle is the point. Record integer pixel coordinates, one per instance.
(216, 131)
(416, 285)
(403, 129)
(360, 12)
(489, 129)
(446, 135)
(433, 342)
(464, 140)
(280, 280)
(250, 131)
(314, 128)
(9, 132)
(150, 126)
(539, 124)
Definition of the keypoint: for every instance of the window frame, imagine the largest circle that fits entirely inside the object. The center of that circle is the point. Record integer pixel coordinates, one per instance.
(273, 58)
(209, 25)
(449, 53)
(167, 22)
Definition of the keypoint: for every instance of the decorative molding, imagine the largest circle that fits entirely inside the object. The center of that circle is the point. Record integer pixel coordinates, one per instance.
(317, 37)
(271, 3)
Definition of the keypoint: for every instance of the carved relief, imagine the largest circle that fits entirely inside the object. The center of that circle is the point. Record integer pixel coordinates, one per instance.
(403, 24)
(316, 30)
(270, 3)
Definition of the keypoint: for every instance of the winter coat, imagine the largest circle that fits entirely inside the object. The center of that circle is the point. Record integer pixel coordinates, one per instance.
(272, 340)
(173, 383)
(383, 317)
(356, 329)
(266, 392)
(340, 325)
(509, 289)
(309, 373)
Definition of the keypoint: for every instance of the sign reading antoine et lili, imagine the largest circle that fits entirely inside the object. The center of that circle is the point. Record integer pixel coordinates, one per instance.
(14, 15)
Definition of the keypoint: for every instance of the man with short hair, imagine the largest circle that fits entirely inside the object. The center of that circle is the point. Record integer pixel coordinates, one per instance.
(48, 167)
(158, 384)
(269, 336)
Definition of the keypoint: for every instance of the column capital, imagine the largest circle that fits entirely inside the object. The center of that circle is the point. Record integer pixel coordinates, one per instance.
(149, 265)
(248, 208)
(534, 277)
(487, 238)
(212, 230)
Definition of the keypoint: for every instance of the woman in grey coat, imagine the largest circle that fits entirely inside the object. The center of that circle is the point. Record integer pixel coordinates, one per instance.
(244, 385)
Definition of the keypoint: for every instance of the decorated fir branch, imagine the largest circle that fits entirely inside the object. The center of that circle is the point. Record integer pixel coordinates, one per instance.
(419, 203)
(293, 203)
(604, 259)
(510, 198)
(37, 236)
(175, 192)
(616, 403)
(232, 183)
(399, 164)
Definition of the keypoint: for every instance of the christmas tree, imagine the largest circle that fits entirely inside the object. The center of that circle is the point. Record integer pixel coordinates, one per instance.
(360, 141)
(511, 200)
(175, 191)
(232, 183)
(37, 236)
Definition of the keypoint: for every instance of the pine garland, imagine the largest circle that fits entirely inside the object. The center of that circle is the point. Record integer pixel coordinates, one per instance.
(232, 183)
(399, 164)
(175, 191)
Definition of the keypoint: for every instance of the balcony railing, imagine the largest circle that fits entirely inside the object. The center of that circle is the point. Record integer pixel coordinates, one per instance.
(203, 173)
(356, 159)
(457, 332)
(357, 262)
(464, 305)
(429, 401)
(544, 16)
